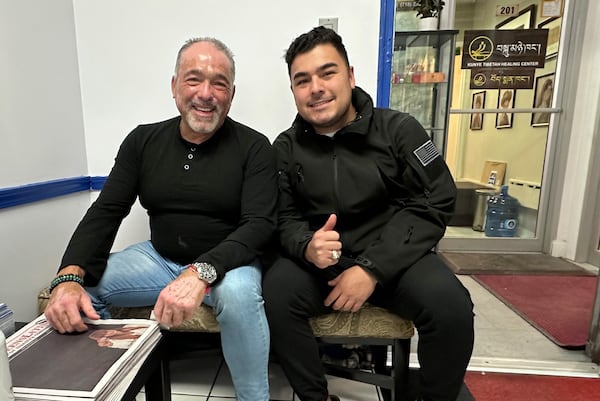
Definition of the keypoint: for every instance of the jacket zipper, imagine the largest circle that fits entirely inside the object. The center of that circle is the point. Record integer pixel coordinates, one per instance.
(335, 181)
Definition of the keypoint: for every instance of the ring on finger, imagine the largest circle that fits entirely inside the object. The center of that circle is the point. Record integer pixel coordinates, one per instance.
(335, 255)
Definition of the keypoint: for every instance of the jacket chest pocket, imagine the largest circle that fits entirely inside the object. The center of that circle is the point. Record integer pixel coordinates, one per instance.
(313, 181)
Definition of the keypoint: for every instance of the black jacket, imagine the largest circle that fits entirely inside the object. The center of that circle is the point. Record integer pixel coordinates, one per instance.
(389, 186)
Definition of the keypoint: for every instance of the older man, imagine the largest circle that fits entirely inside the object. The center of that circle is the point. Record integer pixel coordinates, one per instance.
(208, 184)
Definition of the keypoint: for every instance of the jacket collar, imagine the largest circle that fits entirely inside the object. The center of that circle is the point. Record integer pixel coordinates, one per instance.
(363, 104)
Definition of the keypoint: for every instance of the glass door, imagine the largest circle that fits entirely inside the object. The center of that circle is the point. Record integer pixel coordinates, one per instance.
(495, 134)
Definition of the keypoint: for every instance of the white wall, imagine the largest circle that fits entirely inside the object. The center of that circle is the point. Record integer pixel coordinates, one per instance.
(79, 75)
(33, 240)
(41, 126)
(127, 53)
(41, 138)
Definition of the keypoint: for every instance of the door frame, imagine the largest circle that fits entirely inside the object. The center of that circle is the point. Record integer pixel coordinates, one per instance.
(588, 249)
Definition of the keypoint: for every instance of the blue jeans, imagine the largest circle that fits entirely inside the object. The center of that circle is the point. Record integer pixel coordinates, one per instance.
(135, 277)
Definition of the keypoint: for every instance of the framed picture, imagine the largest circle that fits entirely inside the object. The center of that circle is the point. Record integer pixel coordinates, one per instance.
(544, 88)
(525, 20)
(553, 26)
(506, 100)
(477, 118)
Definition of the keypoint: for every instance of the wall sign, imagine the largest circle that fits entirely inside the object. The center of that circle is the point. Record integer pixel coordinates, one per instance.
(500, 78)
(505, 48)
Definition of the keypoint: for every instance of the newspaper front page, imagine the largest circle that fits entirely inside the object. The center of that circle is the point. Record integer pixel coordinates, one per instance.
(93, 365)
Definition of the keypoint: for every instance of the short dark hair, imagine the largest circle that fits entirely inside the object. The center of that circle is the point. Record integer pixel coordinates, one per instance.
(309, 40)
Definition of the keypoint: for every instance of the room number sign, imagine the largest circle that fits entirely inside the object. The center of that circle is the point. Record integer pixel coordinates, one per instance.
(507, 11)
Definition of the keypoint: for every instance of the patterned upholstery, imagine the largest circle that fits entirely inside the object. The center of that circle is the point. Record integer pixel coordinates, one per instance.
(369, 321)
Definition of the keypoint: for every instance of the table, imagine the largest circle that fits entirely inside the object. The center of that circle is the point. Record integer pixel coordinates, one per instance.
(154, 376)
(466, 202)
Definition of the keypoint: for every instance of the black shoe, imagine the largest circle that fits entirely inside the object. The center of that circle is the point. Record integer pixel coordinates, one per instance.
(333, 397)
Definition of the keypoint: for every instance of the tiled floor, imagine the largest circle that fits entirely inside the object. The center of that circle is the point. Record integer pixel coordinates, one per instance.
(504, 342)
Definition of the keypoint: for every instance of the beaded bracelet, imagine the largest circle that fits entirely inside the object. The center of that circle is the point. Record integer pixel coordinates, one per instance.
(63, 279)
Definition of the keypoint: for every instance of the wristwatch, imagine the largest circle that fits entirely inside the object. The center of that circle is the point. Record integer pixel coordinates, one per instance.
(206, 271)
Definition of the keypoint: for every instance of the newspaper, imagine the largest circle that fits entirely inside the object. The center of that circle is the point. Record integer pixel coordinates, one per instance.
(98, 364)
(7, 320)
(6, 393)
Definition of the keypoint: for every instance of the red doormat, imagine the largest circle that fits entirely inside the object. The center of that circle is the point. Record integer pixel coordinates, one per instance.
(512, 387)
(558, 306)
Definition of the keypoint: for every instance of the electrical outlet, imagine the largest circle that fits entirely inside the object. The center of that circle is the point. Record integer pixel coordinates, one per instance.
(331, 23)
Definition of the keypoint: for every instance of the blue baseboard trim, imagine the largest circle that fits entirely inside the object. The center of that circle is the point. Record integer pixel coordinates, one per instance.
(24, 194)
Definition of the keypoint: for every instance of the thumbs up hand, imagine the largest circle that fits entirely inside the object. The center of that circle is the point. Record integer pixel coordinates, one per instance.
(325, 248)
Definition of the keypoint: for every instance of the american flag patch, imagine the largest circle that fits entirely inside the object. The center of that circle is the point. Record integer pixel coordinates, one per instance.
(426, 153)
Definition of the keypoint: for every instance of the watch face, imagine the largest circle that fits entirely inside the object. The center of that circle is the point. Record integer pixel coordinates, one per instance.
(210, 275)
(206, 272)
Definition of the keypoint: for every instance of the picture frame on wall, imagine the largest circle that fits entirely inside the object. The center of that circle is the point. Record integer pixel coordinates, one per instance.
(525, 20)
(478, 102)
(553, 26)
(542, 98)
(506, 100)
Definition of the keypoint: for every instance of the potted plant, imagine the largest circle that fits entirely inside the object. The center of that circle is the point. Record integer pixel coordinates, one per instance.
(429, 11)
(429, 8)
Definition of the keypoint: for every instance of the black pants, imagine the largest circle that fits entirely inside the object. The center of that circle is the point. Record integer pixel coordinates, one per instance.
(427, 293)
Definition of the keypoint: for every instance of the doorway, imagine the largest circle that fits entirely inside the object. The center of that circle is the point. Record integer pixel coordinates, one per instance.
(509, 146)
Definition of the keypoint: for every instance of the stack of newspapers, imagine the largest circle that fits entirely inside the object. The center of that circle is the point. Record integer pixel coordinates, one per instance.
(7, 320)
(98, 364)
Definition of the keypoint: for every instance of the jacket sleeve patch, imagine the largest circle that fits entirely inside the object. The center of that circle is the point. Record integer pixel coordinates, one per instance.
(426, 153)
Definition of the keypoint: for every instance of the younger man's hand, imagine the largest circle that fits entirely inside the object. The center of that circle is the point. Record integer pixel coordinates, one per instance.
(324, 249)
(350, 289)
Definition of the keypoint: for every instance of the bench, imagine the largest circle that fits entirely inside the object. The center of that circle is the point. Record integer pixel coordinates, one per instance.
(371, 325)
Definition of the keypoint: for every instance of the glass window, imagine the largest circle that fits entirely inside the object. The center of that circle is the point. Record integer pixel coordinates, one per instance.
(494, 134)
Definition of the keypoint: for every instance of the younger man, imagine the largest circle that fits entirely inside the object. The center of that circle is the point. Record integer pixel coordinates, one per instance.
(364, 196)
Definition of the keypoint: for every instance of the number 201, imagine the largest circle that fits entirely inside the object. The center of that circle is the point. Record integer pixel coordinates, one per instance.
(510, 10)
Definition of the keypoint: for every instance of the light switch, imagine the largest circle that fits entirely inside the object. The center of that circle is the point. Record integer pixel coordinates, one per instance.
(331, 23)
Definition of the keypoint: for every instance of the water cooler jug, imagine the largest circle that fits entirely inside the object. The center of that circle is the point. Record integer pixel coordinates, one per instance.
(502, 219)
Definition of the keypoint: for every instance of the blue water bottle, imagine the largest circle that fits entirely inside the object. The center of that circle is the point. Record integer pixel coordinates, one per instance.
(502, 218)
